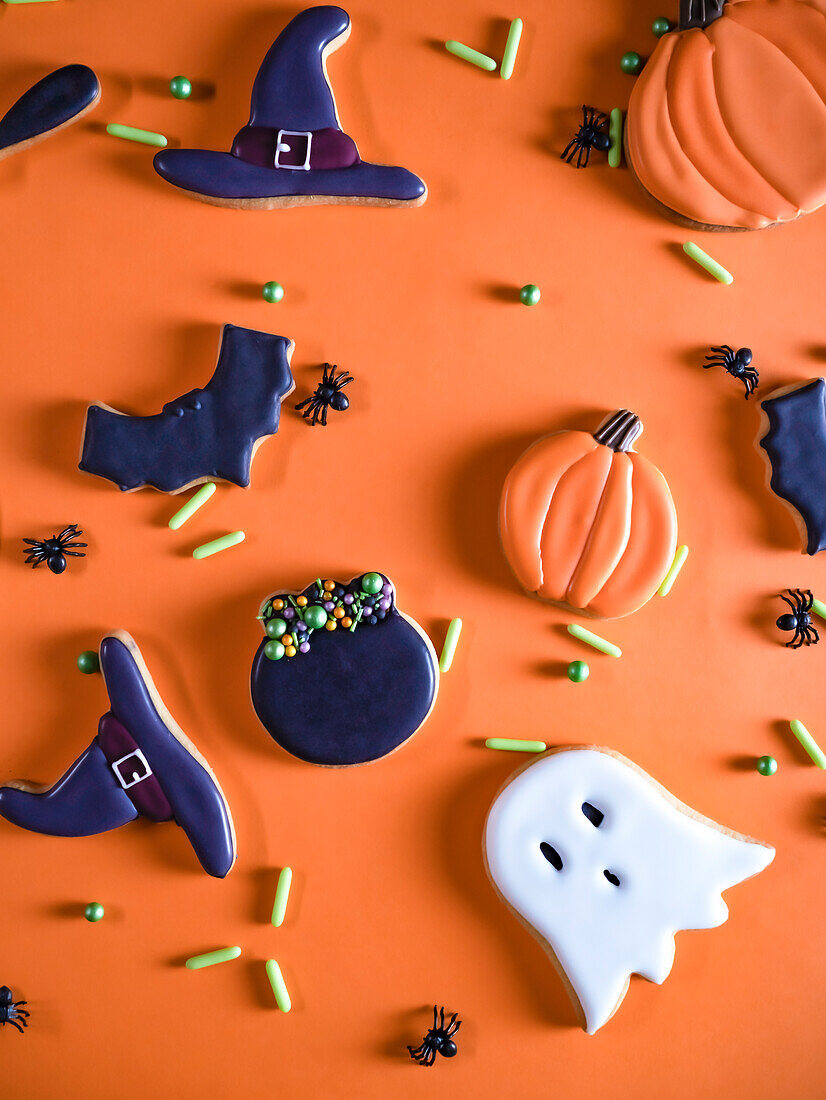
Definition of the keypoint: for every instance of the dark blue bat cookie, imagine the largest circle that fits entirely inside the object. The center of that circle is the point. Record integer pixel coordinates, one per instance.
(795, 444)
(204, 435)
(57, 100)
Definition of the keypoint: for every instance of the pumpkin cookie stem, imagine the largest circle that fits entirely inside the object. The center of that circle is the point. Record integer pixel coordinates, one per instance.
(699, 13)
(619, 431)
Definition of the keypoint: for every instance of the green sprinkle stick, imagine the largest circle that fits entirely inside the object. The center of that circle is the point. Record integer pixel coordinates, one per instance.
(282, 893)
(145, 137)
(217, 545)
(705, 261)
(27, 1)
(196, 501)
(510, 744)
(819, 608)
(615, 136)
(594, 640)
(481, 60)
(449, 648)
(808, 742)
(511, 46)
(680, 555)
(225, 954)
(282, 997)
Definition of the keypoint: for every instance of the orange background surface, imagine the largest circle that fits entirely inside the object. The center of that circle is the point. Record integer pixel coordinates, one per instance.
(114, 288)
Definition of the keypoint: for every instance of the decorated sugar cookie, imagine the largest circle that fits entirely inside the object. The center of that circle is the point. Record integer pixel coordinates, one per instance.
(342, 677)
(205, 435)
(586, 522)
(604, 866)
(726, 126)
(793, 439)
(293, 151)
(141, 764)
(54, 102)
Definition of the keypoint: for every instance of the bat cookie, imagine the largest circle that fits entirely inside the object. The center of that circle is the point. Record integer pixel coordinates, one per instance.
(343, 677)
(587, 523)
(57, 100)
(293, 151)
(726, 125)
(604, 866)
(205, 435)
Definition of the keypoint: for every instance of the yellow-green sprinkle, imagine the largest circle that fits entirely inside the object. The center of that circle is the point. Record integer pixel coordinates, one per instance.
(459, 49)
(615, 137)
(819, 608)
(710, 265)
(510, 744)
(282, 997)
(225, 954)
(449, 648)
(282, 893)
(511, 46)
(680, 555)
(808, 742)
(196, 501)
(27, 1)
(594, 640)
(131, 133)
(217, 545)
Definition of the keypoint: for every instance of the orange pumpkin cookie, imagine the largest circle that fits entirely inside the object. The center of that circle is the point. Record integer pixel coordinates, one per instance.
(726, 126)
(586, 522)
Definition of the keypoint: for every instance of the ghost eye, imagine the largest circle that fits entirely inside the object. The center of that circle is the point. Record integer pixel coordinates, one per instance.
(551, 854)
(594, 815)
(612, 878)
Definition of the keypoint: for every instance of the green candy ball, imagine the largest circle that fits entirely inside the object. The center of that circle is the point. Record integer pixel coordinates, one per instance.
(272, 292)
(315, 617)
(578, 671)
(88, 662)
(372, 583)
(767, 765)
(661, 26)
(180, 87)
(530, 294)
(274, 651)
(275, 628)
(94, 912)
(631, 63)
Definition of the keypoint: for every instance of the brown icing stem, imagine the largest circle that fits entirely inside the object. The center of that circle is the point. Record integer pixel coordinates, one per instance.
(699, 13)
(619, 430)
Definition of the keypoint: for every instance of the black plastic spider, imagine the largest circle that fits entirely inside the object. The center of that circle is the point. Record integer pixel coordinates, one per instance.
(11, 1011)
(438, 1039)
(55, 550)
(327, 394)
(800, 621)
(736, 363)
(592, 134)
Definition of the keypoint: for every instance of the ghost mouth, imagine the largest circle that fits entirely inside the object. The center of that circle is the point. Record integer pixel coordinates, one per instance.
(551, 854)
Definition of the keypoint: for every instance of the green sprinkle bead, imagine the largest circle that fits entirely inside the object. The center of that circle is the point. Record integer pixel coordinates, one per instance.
(272, 292)
(372, 583)
(94, 912)
(767, 765)
(661, 26)
(180, 87)
(275, 628)
(274, 651)
(88, 662)
(578, 672)
(631, 63)
(530, 294)
(315, 617)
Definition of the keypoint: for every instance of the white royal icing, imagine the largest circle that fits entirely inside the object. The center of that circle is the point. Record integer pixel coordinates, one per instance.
(671, 868)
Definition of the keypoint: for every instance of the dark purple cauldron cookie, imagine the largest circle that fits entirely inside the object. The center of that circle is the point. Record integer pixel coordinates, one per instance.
(343, 677)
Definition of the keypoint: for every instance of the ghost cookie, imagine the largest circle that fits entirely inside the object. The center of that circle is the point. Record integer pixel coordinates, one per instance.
(204, 435)
(604, 866)
(54, 102)
(587, 523)
(342, 677)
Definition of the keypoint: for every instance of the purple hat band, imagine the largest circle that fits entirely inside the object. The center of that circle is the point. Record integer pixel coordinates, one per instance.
(295, 150)
(132, 770)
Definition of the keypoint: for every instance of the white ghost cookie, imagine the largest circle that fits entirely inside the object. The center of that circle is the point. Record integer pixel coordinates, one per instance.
(604, 866)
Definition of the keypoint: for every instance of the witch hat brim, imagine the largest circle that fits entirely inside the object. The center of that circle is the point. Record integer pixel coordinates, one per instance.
(293, 151)
(54, 102)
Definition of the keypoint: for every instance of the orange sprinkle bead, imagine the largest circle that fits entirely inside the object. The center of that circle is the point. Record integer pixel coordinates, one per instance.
(346, 622)
(331, 624)
(277, 605)
(286, 639)
(301, 601)
(290, 650)
(329, 586)
(339, 613)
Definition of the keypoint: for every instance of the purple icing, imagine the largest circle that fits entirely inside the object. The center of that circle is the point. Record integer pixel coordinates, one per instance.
(52, 102)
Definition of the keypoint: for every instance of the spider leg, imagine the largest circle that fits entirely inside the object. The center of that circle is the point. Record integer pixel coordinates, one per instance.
(797, 639)
(66, 532)
(14, 1023)
(435, 1018)
(430, 1057)
(813, 631)
(569, 148)
(73, 553)
(442, 1019)
(787, 600)
(324, 417)
(301, 404)
(807, 599)
(345, 380)
(453, 1026)
(415, 1054)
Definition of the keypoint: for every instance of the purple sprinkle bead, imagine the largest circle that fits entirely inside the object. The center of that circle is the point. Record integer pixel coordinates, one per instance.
(304, 647)
(348, 599)
(387, 590)
(288, 613)
(299, 626)
(328, 605)
(384, 605)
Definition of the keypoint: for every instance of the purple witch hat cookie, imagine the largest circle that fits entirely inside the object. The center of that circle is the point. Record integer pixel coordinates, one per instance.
(57, 100)
(141, 764)
(292, 152)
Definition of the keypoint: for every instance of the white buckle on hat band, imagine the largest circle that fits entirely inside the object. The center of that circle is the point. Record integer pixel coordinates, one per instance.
(283, 147)
(137, 758)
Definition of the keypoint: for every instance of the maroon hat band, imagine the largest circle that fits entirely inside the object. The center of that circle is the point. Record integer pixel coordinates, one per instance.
(295, 150)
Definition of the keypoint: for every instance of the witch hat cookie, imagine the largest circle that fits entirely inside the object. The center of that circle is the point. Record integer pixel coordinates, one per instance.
(57, 100)
(292, 152)
(141, 764)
